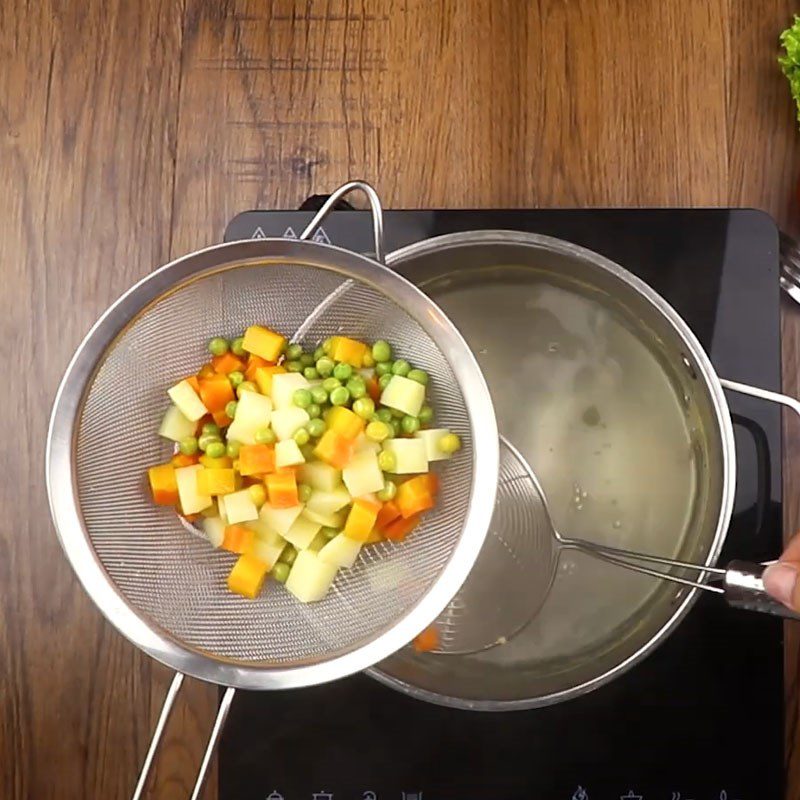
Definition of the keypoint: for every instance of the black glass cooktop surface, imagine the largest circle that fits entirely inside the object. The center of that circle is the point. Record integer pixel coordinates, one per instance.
(702, 717)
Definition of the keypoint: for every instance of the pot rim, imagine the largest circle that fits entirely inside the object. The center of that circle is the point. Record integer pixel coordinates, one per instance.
(705, 373)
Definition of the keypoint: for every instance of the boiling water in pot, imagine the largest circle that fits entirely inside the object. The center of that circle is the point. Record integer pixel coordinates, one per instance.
(590, 407)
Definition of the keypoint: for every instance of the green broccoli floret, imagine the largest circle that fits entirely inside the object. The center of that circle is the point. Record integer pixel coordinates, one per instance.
(790, 59)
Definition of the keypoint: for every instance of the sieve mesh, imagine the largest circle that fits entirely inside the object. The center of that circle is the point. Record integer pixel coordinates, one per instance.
(176, 580)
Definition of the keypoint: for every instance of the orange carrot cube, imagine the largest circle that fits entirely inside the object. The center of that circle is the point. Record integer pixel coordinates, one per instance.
(345, 422)
(428, 640)
(414, 496)
(237, 538)
(163, 485)
(216, 392)
(227, 363)
(397, 530)
(350, 351)
(361, 519)
(263, 342)
(334, 449)
(282, 488)
(247, 576)
(263, 377)
(256, 459)
(216, 481)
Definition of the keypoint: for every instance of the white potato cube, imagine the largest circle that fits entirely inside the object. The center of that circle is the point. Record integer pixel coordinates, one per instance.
(287, 454)
(363, 475)
(411, 455)
(341, 551)
(284, 385)
(214, 529)
(264, 531)
(286, 421)
(279, 519)
(403, 394)
(319, 475)
(362, 443)
(253, 412)
(310, 577)
(432, 437)
(302, 532)
(192, 502)
(329, 502)
(239, 507)
(187, 400)
(221, 506)
(175, 426)
(334, 520)
(266, 552)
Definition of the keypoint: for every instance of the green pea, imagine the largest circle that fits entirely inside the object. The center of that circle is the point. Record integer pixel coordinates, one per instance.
(363, 406)
(319, 353)
(387, 461)
(342, 371)
(236, 378)
(401, 367)
(378, 431)
(425, 415)
(188, 445)
(205, 440)
(293, 352)
(308, 451)
(339, 396)
(288, 555)
(301, 398)
(418, 375)
(383, 381)
(232, 450)
(230, 409)
(329, 384)
(310, 374)
(327, 346)
(389, 488)
(237, 346)
(218, 346)
(293, 366)
(245, 386)
(384, 414)
(301, 436)
(303, 492)
(307, 360)
(314, 410)
(356, 387)
(325, 366)
(450, 443)
(215, 449)
(265, 436)
(409, 424)
(329, 533)
(381, 351)
(397, 429)
(319, 395)
(210, 429)
(397, 413)
(316, 427)
(280, 571)
(383, 368)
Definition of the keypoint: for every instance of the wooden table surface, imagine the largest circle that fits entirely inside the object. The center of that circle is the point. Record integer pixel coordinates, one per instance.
(131, 131)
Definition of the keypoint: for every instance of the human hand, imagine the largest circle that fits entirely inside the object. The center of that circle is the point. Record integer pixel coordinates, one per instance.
(780, 579)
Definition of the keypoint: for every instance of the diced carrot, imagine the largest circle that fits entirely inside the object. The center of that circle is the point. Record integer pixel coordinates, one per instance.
(237, 538)
(227, 363)
(374, 537)
(263, 377)
(247, 576)
(206, 371)
(223, 462)
(180, 460)
(216, 481)
(263, 342)
(350, 351)
(414, 496)
(163, 485)
(428, 640)
(194, 383)
(256, 459)
(255, 363)
(373, 388)
(192, 517)
(216, 392)
(221, 418)
(282, 488)
(432, 480)
(345, 422)
(398, 530)
(361, 519)
(334, 449)
(388, 513)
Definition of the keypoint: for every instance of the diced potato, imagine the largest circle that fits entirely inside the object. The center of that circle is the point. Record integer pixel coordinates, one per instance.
(279, 519)
(286, 421)
(287, 454)
(253, 412)
(403, 394)
(432, 437)
(239, 507)
(362, 444)
(266, 552)
(264, 531)
(175, 426)
(411, 455)
(214, 529)
(187, 400)
(284, 385)
(318, 542)
(319, 475)
(302, 532)
(341, 551)
(263, 377)
(263, 342)
(335, 520)
(192, 502)
(329, 502)
(363, 475)
(310, 577)
(221, 506)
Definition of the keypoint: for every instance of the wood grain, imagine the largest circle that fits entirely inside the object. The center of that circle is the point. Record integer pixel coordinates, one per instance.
(133, 131)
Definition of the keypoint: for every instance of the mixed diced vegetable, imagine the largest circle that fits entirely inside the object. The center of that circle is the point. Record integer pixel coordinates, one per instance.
(297, 460)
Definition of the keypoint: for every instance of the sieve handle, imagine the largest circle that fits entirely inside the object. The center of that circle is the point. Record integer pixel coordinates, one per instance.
(374, 206)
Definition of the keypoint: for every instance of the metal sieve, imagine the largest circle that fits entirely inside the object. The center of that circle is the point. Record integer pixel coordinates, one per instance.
(163, 588)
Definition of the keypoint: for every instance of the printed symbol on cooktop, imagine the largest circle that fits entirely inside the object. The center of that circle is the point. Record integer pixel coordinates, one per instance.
(631, 796)
(321, 237)
(369, 796)
(580, 794)
(412, 795)
(274, 795)
(289, 233)
(258, 233)
(322, 796)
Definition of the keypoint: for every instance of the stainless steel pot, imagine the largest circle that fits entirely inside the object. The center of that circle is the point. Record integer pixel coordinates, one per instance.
(516, 675)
